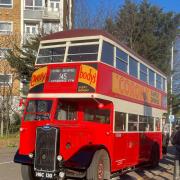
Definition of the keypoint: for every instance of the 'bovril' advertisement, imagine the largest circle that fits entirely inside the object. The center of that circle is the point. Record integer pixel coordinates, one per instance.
(38, 79)
(87, 78)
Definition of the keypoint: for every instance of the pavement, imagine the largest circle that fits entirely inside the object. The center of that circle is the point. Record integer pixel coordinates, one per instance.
(165, 171)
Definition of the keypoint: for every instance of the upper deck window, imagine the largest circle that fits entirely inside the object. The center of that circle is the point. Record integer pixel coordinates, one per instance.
(143, 72)
(55, 52)
(121, 60)
(151, 77)
(107, 53)
(158, 81)
(133, 67)
(164, 84)
(82, 53)
(51, 55)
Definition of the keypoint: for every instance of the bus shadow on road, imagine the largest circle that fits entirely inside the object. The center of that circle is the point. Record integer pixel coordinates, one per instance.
(164, 171)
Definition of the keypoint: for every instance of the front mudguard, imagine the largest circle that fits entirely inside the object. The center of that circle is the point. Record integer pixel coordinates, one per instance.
(81, 160)
(23, 159)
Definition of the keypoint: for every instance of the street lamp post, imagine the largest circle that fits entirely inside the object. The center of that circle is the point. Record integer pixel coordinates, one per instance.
(171, 87)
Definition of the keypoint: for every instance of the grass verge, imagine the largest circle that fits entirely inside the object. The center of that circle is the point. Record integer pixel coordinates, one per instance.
(10, 141)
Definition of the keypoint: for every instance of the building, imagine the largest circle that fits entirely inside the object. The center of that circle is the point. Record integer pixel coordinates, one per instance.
(20, 19)
(45, 16)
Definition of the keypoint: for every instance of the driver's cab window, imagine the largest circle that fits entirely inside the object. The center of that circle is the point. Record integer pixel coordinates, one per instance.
(97, 115)
(38, 110)
(66, 111)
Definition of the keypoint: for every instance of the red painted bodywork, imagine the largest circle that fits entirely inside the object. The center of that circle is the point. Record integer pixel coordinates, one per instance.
(125, 148)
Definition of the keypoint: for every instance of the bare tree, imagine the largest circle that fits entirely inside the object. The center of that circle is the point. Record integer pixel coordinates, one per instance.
(86, 18)
(9, 84)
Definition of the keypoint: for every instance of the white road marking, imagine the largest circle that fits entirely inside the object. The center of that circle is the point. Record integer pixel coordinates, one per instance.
(6, 162)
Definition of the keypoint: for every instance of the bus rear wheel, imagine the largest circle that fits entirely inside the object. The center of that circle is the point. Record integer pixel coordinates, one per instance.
(27, 172)
(99, 168)
(155, 156)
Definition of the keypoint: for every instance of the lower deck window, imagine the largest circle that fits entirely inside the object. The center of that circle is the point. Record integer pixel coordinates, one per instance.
(133, 122)
(66, 111)
(146, 123)
(157, 124)
(97, 115)
(120, 121)
(136, 122)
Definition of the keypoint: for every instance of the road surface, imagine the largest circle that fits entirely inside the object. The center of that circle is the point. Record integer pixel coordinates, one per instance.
(12, 171)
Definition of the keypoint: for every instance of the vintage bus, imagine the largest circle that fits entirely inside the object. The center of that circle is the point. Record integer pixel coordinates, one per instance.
(94, 109)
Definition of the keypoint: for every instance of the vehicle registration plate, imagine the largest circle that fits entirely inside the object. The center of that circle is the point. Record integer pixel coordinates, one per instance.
(46, 175)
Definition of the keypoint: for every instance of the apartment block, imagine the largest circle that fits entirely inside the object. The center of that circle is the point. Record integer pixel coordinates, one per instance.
(46, 16)
(20, 19)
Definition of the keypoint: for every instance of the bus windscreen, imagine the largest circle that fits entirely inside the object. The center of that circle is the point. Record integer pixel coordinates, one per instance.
(38, 110)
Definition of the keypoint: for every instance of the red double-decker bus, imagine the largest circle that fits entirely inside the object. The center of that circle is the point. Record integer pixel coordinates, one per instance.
(94, 109)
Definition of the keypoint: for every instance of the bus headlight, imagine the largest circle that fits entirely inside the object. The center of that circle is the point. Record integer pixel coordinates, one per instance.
(62, 174)
(59, 158)
(31, 155)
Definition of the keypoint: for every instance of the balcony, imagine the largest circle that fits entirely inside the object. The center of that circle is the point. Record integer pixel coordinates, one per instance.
(51, 13)
(33, 13)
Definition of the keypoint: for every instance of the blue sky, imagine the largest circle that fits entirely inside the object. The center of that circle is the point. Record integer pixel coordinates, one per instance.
(166, 5)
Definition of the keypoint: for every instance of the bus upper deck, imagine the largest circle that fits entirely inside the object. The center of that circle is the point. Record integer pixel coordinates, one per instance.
(98, 46)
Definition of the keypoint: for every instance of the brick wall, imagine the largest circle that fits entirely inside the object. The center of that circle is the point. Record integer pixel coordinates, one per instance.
(6, 41)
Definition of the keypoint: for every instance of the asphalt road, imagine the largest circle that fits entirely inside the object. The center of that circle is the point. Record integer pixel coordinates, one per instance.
(12, 171)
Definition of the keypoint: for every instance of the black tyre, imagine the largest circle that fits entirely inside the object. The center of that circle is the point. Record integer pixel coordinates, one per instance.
(99, 168)
(155, 156)
(27, 172)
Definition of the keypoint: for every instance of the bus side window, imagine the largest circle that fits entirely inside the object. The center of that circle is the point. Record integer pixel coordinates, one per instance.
(132, 122)
(120, 121)
(97, 115)
(158, 127)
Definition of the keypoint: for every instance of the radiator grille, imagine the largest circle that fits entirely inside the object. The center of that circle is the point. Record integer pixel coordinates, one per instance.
(46, 148)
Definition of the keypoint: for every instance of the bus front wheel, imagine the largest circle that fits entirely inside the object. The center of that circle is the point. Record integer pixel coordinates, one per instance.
(27, 172)
(99, 168)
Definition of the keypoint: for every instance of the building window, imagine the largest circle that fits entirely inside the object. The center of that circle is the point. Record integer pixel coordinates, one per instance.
(133, 67)
(143, 72)
(132, 122)
(3, 52)
(54, 4)
(5, 27)
(121, 60)
(6, 3)
(107, 53)
(158, 82)
(5, 79)
(151, 77)
(120, 121)
(31, 28)
(34, 4)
